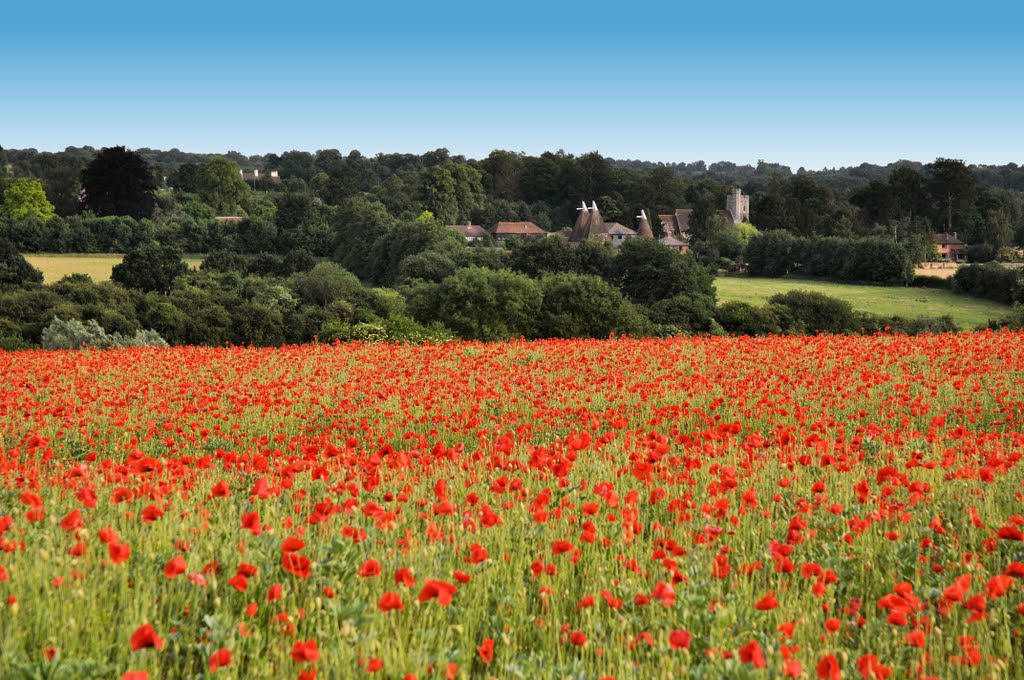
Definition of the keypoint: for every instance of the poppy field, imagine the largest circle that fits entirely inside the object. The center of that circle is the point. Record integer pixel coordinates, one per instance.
(816, 507)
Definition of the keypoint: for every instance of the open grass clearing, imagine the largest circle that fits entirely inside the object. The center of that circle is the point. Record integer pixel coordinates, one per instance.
(968, 312)
(97, 266)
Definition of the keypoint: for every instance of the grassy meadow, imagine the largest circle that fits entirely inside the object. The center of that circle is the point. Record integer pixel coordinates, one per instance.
(97, 266)
(968, 312)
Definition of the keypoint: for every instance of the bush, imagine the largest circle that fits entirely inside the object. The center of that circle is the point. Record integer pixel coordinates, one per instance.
(578, 306)
(74, 334)
(816, 312)
(981, 252)
(741, 318)
(990, 281)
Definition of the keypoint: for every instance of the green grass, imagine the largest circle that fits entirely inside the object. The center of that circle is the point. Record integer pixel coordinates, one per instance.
(968, 312)
(97, 266)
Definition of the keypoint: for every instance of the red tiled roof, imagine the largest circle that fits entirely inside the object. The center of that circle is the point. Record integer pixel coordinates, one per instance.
(468, 230)
(518, 228)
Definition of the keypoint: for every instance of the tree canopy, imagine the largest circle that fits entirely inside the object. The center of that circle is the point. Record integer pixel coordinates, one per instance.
(119, 182)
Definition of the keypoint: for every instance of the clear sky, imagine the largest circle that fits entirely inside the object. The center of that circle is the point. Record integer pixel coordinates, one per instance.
(813, 84)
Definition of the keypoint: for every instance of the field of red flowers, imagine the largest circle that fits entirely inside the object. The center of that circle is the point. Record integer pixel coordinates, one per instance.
(708, 507)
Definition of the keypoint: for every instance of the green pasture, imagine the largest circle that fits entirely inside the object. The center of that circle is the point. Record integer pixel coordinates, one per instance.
(968, 312)
(96, 265)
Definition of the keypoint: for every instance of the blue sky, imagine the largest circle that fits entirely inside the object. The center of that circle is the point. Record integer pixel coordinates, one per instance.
(810, 84)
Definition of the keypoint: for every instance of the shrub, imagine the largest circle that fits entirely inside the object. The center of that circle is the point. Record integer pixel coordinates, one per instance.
(74, 334)
(816, 312)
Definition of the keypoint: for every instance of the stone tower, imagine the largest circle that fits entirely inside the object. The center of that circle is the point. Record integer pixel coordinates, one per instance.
(738, 206)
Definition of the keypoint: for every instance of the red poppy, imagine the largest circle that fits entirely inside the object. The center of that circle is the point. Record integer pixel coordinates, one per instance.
(751, 653)
(679, 639)
(295, 564)
(374, 665)
(219, 659)
(389, 601)
(437, 589)
(175, 567)
(369, 569)
(305, 651)
(828, 668)
(71, 521)
(403, 576)
(486, 650)
(767, 603)
(119, 552)
(578, 638)
(144, 636)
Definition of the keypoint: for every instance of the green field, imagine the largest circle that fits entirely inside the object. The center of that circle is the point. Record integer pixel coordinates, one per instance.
(98, 266)
(968, 312)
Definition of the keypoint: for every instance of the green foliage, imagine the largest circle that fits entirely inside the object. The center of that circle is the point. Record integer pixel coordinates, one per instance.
(14, 268)
(221, 186)
(407, 239)
(119, 182)
(480, 304)
(991, 281)
(582, 306)
(685, 313)
(453, 191)
(647, 272)
(24, 198)
(150, 267)
(358, 223)
(773, 253)
(73, 334)
(815, 312)
(741, 318)
(980, 253)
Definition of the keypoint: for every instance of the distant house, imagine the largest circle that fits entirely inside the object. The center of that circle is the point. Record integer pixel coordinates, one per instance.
(503, 231)
(471, 232)
(253, 176)
(676, 223)
(620, 233)
(950, 247)
(675, 244)
(227, 219)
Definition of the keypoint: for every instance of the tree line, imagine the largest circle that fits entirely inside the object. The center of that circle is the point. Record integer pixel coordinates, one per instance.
(349, 247)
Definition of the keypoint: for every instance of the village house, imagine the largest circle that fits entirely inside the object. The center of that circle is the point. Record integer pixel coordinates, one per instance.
(471, 232)
(503, 231)
(253, 176)
(950, 248)
(590, 226)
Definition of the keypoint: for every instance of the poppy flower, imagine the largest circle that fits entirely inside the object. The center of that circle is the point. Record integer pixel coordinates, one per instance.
(219, 659)
(175, 567)
(144, 636)
(828, 668)
(369, 569)
(679, 639)
(403, 576)
(437, 589)
(870, 669)
(305, 651)
(752, 654)
(119, 552)
(374, 665)
(389, 601)
(295, 564)
(578, 638)
(71, 521)
(486, 650)
(767, 603)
